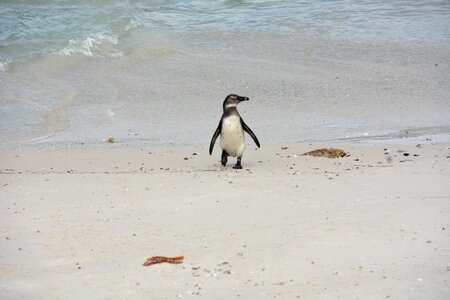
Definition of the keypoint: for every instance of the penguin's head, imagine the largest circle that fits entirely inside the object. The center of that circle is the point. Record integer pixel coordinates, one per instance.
(232, 100)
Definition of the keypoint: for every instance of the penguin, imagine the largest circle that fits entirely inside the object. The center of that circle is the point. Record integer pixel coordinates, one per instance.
(231, 130)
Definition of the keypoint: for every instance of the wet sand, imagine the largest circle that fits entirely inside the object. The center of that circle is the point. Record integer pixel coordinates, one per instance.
(79, 223)
(170, 88)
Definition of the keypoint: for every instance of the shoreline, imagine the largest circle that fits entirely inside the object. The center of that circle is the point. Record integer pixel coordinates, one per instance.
(292, 81)
(407, 137)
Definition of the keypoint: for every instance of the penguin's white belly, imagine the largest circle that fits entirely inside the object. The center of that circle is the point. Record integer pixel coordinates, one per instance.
(232, 136)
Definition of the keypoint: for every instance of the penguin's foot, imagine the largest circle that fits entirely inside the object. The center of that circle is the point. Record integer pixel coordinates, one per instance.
(224, 158)
(224, 161)
(238, 163)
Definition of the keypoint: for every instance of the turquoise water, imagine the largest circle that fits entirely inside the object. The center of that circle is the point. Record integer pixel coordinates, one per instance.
(96, 28)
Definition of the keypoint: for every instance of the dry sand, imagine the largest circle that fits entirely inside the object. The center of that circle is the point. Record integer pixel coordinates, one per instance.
(77, 223)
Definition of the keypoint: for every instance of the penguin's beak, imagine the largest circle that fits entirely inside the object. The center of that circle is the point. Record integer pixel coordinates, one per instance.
(243, 98)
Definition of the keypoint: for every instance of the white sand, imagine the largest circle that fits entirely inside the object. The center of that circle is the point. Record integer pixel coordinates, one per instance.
(79, 223)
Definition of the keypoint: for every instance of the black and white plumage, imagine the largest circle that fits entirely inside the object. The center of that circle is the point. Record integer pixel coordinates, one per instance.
(231, 130)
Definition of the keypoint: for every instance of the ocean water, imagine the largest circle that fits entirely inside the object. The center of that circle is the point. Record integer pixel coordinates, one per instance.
(95, 28)
(79, 71)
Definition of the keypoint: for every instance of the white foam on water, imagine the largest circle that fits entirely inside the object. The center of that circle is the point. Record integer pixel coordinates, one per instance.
(134, 23)
(4, 65)
(95, 45)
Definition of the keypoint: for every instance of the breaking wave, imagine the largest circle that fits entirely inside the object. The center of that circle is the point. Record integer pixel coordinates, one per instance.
(94, 45)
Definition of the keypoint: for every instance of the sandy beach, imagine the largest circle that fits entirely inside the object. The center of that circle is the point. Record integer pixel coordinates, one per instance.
(78, 223)
(79, 216)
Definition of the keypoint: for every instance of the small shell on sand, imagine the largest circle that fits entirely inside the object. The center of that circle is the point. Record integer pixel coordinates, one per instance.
(285, 147)
(324, 152)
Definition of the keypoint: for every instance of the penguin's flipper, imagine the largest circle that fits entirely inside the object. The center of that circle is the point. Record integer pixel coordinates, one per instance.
(250, 132)
(214, 137)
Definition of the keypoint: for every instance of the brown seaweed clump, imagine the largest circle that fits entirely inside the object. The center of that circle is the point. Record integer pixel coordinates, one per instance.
(324, 152)
(163, 259)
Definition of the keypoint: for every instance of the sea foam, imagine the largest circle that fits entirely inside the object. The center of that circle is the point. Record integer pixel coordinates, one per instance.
(4, 65)
(94, 45)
